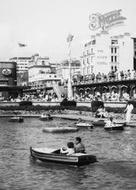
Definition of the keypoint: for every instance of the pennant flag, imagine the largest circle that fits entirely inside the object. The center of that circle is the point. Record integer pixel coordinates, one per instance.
(70, 38)
(21, 45)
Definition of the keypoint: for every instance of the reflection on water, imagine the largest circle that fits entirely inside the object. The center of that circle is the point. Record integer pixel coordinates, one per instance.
(116, 153)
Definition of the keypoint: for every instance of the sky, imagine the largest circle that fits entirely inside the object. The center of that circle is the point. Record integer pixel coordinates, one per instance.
(45, 24)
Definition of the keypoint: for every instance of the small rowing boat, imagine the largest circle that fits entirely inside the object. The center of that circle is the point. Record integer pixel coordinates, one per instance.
(54, 155)
(46, 117)
(99, 123)
(84, 124)
(60, 129)
(16, 119)
(114, 127)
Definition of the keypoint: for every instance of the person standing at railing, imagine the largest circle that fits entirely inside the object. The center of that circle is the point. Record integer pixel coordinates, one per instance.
(128, 111)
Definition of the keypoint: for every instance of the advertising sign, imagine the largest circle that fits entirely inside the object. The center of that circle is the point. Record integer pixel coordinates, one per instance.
(106, 21)
(6, 72)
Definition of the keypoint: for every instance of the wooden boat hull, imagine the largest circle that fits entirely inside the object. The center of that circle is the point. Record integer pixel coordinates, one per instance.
(75, 159)
(85, 125)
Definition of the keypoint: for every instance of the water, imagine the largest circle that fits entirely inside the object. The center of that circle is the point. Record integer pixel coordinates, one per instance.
(116, 153)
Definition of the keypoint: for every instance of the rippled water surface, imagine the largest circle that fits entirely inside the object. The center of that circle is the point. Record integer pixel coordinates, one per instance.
(116, 153)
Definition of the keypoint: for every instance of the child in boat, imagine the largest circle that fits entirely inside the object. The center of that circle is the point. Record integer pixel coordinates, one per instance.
(69, 150)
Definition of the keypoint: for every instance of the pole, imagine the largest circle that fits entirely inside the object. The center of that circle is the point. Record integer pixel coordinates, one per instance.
(70, 93)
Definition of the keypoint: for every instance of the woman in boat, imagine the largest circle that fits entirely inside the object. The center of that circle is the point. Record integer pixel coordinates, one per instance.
(69, 150)
(79, 146)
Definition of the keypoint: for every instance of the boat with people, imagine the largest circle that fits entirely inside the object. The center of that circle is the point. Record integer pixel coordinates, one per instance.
(54, 155)
(60, 129)
(16, 119)
(46, 117)
(111, 125)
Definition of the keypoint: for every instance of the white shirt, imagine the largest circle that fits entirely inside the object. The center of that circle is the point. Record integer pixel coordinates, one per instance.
(129, 108)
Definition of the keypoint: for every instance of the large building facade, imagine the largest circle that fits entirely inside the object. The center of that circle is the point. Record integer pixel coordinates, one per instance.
(105, 53)
(22, 63)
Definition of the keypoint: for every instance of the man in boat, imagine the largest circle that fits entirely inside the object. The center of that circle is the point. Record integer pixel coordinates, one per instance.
(69, 150)
(79, 147)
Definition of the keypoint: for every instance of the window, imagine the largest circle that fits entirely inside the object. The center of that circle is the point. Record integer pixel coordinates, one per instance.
(115, 58)
(87, 60)
(111, 58)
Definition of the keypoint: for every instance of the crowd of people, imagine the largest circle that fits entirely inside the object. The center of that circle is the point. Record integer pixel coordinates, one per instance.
(40, 97)
(101, 77)
(105, 96)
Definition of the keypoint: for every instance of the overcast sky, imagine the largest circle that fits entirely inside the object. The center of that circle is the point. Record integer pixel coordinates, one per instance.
(45, 24)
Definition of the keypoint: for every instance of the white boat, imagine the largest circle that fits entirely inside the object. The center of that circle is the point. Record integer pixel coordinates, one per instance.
(60, 129)
(16, 119)
(54, 155)
(84, 124)
(114, 127)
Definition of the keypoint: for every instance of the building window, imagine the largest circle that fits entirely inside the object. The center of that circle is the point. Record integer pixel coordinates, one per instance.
(111, 58)
(115, 58)
(111, 50)
(115, 50)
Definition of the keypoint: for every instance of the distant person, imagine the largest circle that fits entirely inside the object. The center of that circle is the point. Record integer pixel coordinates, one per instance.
(109, 123)
(79, 147)
(69, 150)
(101, 113)
(128, 111)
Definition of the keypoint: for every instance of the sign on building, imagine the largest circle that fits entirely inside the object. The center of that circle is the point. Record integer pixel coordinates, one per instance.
(106, 21)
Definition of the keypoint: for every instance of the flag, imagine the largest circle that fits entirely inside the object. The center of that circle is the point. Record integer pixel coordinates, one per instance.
(21, 45)
(70, 38)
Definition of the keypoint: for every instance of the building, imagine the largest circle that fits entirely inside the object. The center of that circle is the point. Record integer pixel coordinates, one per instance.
(38, 60)
(8, 80)
(105, 53)
(22, 63)
(63, 69)
(41, 75)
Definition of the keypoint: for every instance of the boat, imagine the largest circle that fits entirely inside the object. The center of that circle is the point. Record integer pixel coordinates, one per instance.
(84, 124)
(16, 119)
(46, 117)
(115, 127)
(99, 123)
(60, 129)
(54, 155)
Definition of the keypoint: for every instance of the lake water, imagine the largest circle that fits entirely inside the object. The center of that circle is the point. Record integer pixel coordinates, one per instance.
(115, 169)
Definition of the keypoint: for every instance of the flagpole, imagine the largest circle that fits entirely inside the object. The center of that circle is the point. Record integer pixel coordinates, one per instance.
(70, 93)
